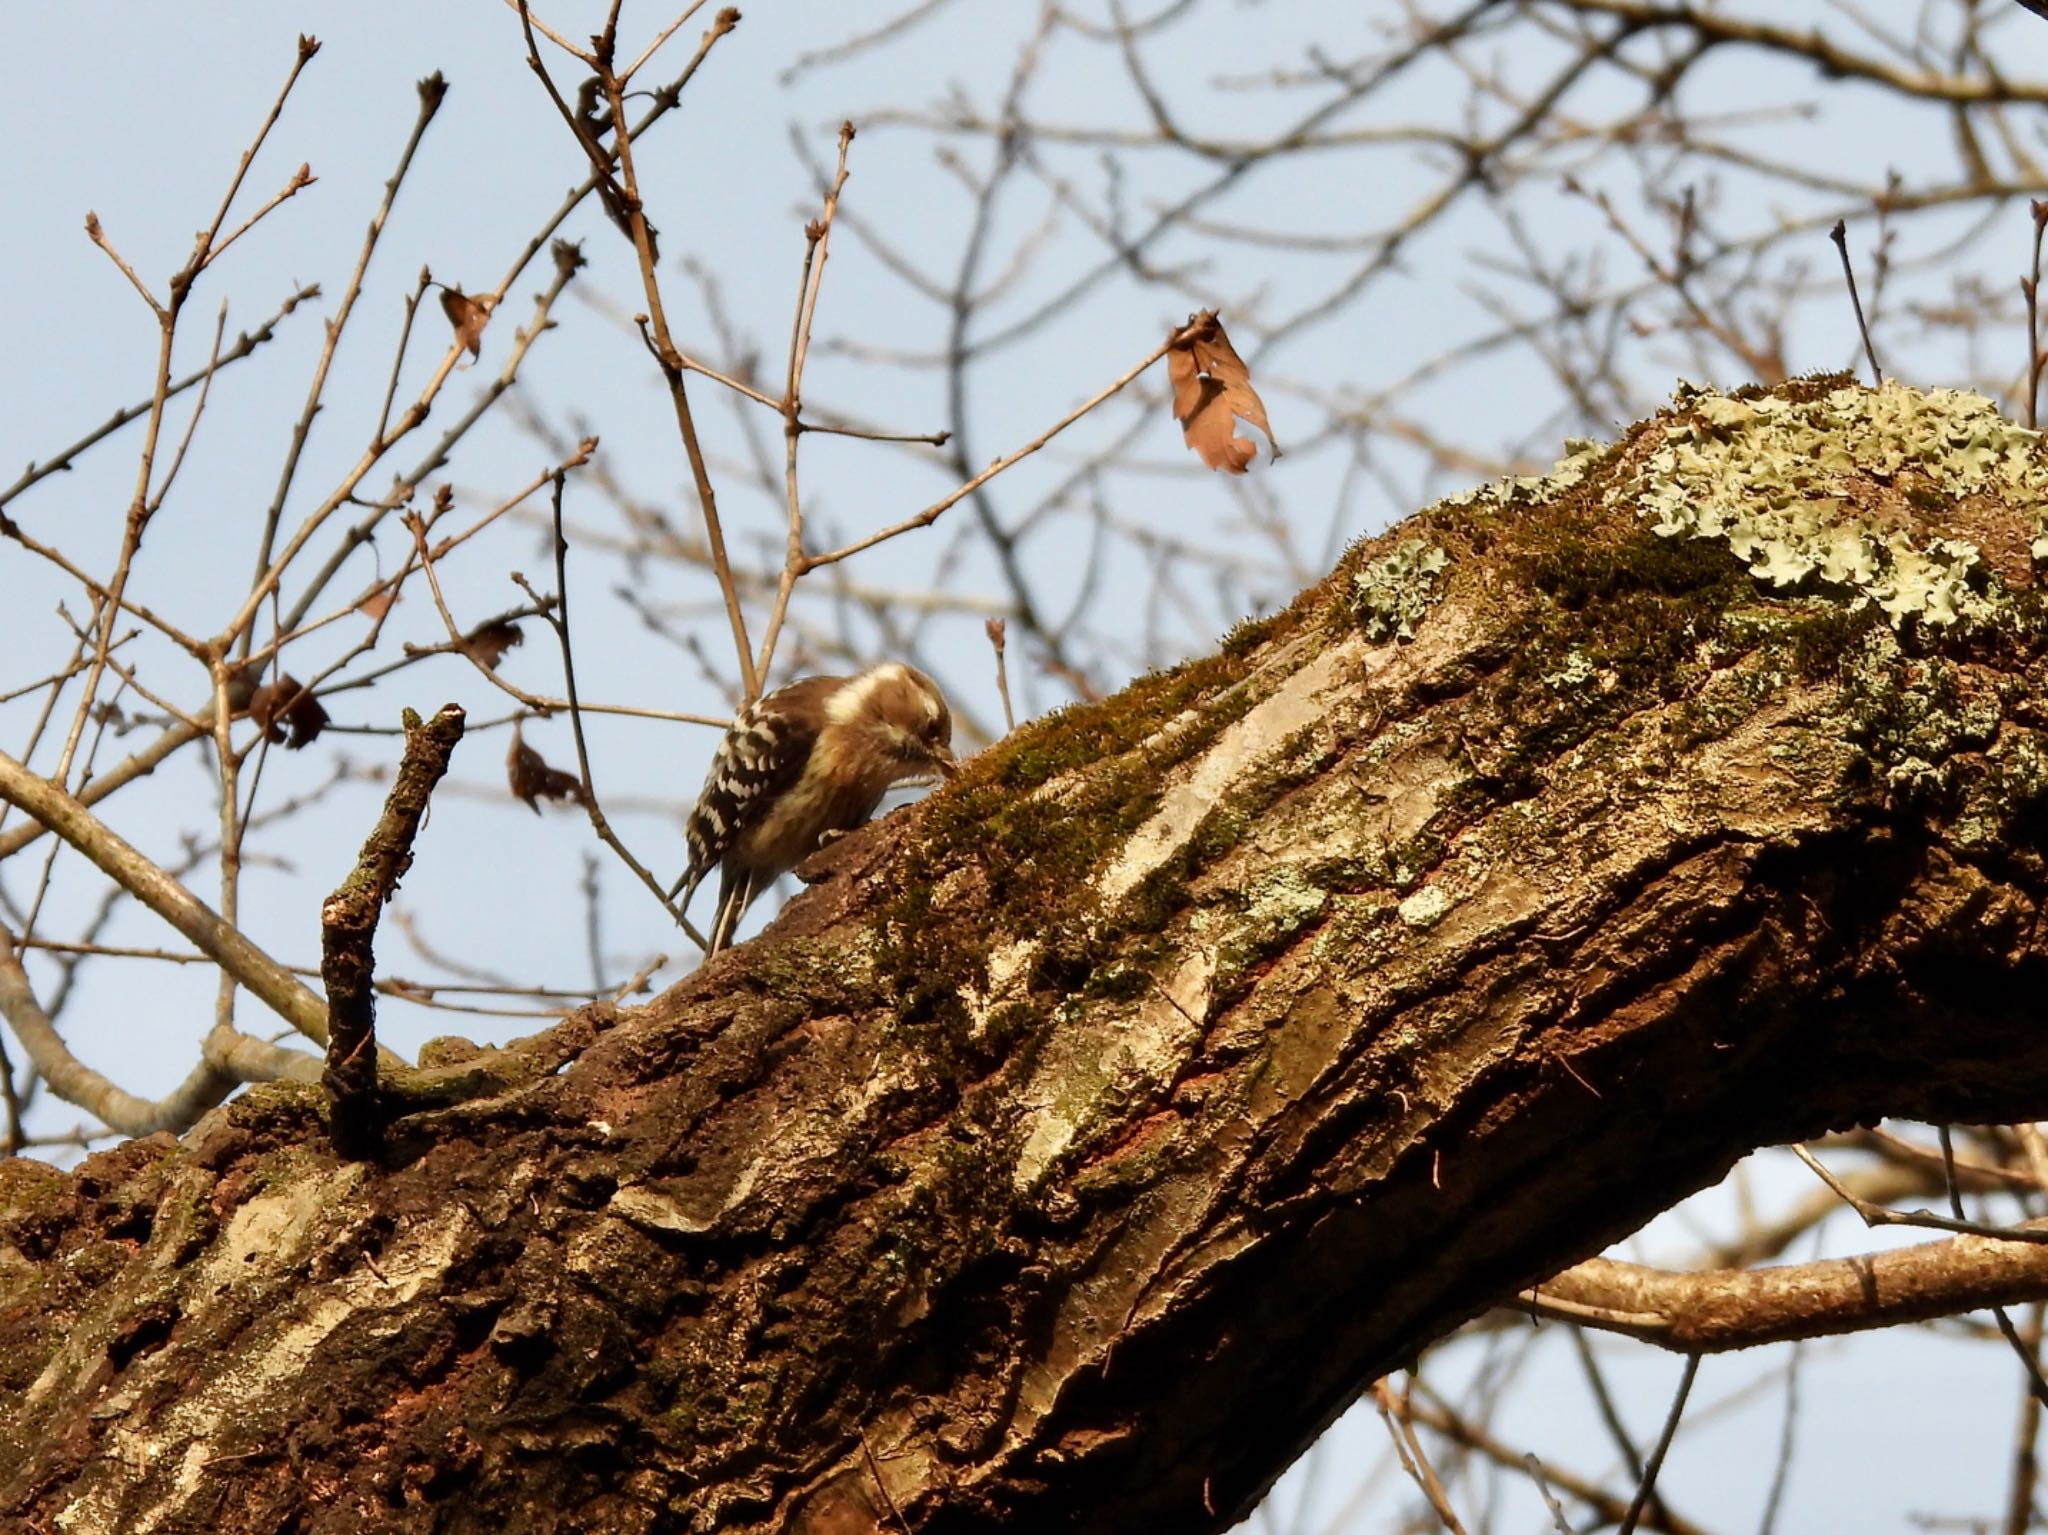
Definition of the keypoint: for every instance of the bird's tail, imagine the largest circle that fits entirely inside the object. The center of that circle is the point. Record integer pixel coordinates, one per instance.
(735, 895)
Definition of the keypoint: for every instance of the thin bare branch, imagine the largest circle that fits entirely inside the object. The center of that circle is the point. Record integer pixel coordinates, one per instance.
(559, 619)
(1656, 1461)
(243, 345)
(953, 498)
(432, 91)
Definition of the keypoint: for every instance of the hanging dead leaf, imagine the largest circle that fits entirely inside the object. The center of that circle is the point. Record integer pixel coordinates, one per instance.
(285, 712)
(1212, 388)
(621, 212)
(377, 604)
(592, 115)
(469, 316)
(569, 258)
(488, 642)
(533, 780)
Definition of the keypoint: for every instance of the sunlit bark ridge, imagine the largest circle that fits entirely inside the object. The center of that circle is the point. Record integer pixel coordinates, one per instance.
(1095, 1131)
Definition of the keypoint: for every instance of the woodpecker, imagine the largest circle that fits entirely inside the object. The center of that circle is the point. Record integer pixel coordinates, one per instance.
(802, 764)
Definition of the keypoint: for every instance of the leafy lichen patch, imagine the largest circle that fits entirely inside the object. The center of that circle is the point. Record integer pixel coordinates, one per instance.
(1283, 900)
(1580, 455)
(1390, 595)
(1774, 478)
(1426, 907)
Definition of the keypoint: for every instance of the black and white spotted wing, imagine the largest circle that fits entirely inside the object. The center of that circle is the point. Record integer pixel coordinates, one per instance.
(760, 759)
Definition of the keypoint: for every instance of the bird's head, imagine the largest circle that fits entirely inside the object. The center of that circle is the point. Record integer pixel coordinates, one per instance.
(903, 712)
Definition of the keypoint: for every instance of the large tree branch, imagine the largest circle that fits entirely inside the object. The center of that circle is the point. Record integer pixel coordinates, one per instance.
(1095, 1132)
(1723, 1309)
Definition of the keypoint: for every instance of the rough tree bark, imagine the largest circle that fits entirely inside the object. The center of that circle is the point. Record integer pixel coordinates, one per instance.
(1096, 1130)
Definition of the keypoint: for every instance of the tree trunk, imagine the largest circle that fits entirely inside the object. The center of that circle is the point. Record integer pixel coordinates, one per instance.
(1094, 1132)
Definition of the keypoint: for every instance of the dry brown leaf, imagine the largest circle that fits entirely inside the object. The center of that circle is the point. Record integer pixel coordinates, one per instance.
(284, 711)
(533, 780)
(377, 604)
(489, 642)
(620, 212)
(1212, 388)
(469, 316)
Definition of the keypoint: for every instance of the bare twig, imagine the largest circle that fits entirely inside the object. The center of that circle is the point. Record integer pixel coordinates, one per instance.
(996, 630)
(98, 236)
(817, 246)
(348, 930)
(622, 196)
(2019, 1505)
(659, 39)
(163, 488)
(243, 345)
(952, 498)
(1656, 1461)
(299, 180)
(551, 34)
(1631, 1458)
(1408, 1446)
(2030, 285)
(663, 346)
(432, 91)
(1781, 1469)
(1840, 235)
(412, 309)
(2029, 1357)
(559, 619)
(1879, 1215)
(1558, 1521)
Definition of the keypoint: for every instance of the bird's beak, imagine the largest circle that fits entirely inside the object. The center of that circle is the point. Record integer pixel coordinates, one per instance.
(944, 760)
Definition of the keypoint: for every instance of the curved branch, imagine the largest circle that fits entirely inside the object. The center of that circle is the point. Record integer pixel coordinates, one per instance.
(268, 981)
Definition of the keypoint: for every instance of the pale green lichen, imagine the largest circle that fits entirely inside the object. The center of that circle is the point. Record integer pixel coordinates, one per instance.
(1280, 902)
(1578, 670)
(1283, 900)
(1391, 594)
(1771, 477)
(1425, 908)
(1580, 455)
